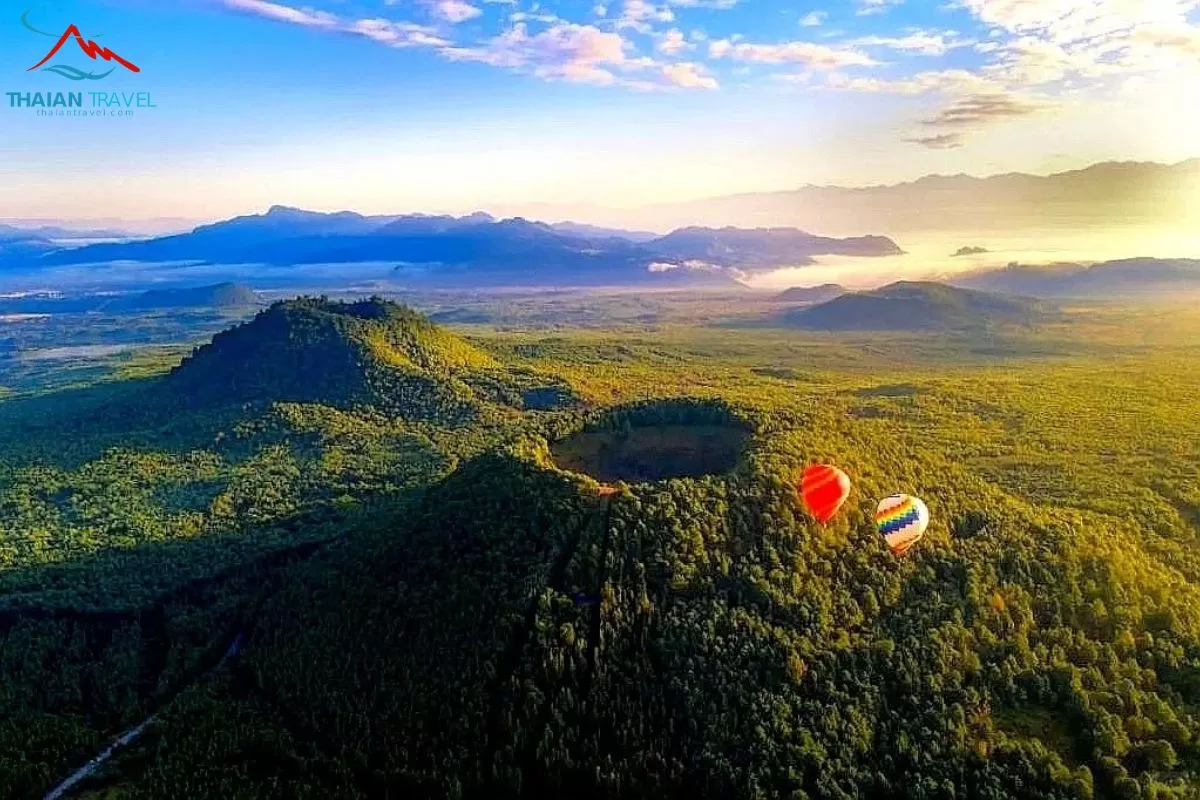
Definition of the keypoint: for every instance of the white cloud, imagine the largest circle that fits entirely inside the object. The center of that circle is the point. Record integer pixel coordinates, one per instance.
(524, 16)
(948, 81)
(282, 13)
(1047, 41)
(600, 10)
(673, 42)
(868, 7)
(396, 34)
(696, 265)
(580, 53)
(813, 18)
(920, 42)
(817, 56)
(719, 4)
(454, 11)
(383, 31)
(638, 14)
(688, 75)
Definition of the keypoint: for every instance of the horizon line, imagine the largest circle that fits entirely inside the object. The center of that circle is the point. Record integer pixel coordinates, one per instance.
(536, 204)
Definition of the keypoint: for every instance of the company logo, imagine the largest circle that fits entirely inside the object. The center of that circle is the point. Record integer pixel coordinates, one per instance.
(89, 48)
(74, 105)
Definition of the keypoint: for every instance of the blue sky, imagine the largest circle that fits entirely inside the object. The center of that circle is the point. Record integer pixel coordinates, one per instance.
(451, 105)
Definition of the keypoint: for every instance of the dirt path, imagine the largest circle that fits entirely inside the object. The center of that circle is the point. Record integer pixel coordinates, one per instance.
(129, 736)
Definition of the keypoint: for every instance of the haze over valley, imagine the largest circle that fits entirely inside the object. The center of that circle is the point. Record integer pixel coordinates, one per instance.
(931, 228)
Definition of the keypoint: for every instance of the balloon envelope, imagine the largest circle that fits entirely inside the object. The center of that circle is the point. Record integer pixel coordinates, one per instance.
(824, 489)
(901, 519)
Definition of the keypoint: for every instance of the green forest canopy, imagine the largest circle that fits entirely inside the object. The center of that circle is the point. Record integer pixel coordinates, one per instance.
(429, 607)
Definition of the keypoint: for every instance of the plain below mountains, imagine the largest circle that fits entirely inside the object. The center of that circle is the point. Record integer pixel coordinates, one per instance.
(917, 306)
(478, 250)
(220, 296)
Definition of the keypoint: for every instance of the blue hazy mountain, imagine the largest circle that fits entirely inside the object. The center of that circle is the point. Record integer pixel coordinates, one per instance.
(597, 232)
(9, 233)
(480, 250)
(764, 248)
(24, 250)
(1125, 277)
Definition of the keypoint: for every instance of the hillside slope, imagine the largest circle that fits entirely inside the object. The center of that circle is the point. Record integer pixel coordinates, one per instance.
(811, 294)
(913, 305)
(219, 295)
(367, 353)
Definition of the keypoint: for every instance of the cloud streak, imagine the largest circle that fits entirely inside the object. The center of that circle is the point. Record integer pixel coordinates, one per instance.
(971, 113)
(938, 141)
(282, 13)
(561, 51)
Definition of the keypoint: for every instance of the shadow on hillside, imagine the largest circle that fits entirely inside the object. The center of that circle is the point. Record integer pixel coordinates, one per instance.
(69, 427)
(123, 581)
(99, 643)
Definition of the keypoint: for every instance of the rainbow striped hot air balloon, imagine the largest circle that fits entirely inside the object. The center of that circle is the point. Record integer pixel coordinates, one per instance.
(901, 519)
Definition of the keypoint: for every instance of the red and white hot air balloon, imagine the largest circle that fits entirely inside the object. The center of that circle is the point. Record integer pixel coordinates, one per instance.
(824, 488)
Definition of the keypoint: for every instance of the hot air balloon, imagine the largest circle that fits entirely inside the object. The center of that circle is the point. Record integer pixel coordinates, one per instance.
(901, 519)
(824, 488)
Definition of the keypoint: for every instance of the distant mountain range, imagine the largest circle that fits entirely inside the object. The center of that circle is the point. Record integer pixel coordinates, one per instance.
(597, 232)
(917, 306)
(48, 232)
(1124, 278)
(1116, 194)
(764, 248)
(479, 250)
(24, 250)
(216, 296)
(128, 227)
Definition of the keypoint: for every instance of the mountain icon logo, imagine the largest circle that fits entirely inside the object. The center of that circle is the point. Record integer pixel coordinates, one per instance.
(89, 48)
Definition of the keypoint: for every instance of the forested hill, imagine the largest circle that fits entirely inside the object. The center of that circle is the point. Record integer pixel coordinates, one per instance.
(220, 295)
(918, 305)
(521, 635)
(371, 353)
